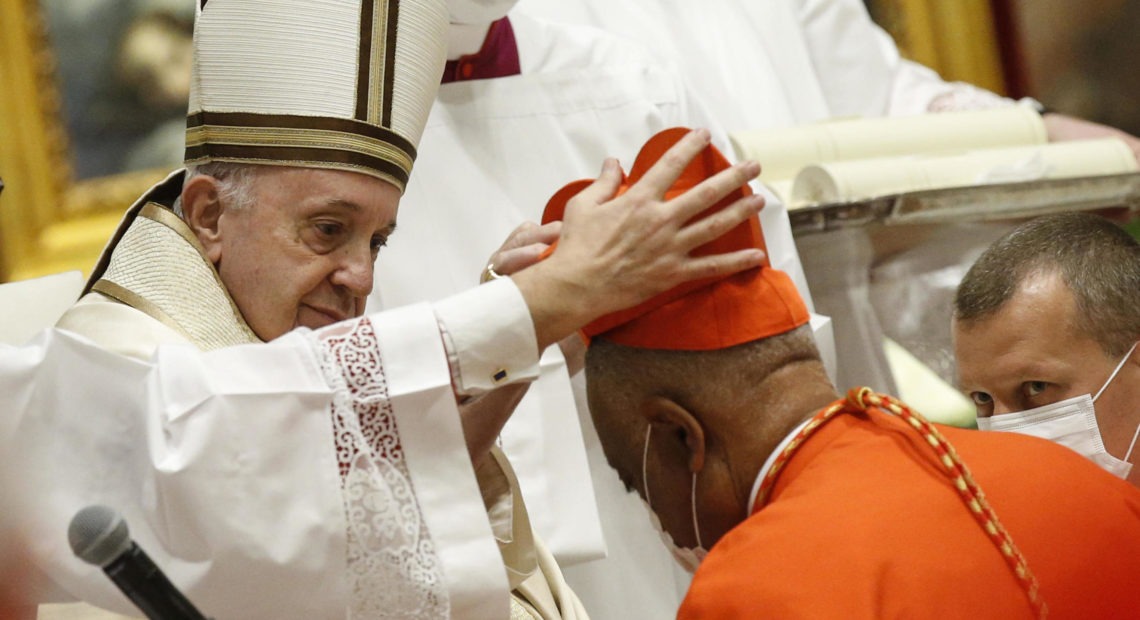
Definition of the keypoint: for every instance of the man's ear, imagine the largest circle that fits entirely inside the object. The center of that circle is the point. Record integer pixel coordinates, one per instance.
(202, 210)
(666, 412)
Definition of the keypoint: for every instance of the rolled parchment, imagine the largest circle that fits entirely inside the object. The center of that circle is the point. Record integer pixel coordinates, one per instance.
(782, 153)
(867, 178)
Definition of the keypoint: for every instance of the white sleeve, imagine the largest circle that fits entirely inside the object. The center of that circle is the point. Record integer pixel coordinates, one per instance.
(419, 543)
(299, 478)
(862, 74)
(918, 89)
(854, 60)
(490, 334)
(222, 464)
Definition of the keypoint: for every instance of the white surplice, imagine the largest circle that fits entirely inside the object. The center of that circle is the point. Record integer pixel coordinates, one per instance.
(776, 63)
(322, 475)
(492, 154)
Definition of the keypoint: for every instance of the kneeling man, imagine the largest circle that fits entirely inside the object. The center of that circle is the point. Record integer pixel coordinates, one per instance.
(711, 403)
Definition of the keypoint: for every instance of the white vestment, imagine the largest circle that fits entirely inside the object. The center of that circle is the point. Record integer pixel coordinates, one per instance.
(776, 63)
(321, 475)
(492, 154)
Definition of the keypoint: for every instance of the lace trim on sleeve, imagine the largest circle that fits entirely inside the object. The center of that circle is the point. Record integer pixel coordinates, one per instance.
(963, 96)
(393, 568)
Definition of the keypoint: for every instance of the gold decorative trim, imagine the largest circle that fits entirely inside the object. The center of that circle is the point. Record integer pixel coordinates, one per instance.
(380, 72)
(167, 218)
(138, 302)
(159, 267)
(49, 221)
(256, 137)
(398, 182)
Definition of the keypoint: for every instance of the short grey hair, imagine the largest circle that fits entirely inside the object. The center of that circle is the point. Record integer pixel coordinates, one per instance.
(1097, 260)
(235, 183)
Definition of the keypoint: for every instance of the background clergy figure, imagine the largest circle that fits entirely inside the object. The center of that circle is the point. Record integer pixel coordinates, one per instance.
(1045, 333)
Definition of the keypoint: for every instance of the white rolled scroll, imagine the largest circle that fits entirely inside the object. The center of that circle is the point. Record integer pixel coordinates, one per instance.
(866, 178)
(784, 152)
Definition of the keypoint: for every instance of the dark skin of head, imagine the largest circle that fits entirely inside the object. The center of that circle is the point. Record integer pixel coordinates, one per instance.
(724, 440)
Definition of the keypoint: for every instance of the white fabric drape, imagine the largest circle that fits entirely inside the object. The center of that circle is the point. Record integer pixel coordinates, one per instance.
(762, 64)
(319, 475)
(775, 63)
(492, 154)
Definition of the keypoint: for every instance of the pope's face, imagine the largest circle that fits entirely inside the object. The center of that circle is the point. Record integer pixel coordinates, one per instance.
(303, 254)
(1031, 353)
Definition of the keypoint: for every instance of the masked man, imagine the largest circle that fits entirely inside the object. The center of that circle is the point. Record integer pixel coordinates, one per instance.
(276, 452)
(712, 404)
(1045, 332)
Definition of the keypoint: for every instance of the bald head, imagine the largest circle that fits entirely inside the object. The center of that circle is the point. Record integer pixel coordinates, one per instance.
(619, 378)
(711, 417)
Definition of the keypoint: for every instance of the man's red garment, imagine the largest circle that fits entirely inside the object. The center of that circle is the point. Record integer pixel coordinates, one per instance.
(864, 523)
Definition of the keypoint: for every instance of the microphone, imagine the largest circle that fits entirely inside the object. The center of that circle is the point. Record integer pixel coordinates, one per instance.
(99, 536)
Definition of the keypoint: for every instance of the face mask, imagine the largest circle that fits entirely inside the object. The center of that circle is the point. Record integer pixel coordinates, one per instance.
(1071, 423)
(689, 559)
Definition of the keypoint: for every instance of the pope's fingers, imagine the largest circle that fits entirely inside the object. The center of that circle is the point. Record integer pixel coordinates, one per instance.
(659, 178)
(547, 233)
(712, 189)
(603, 188)
(528, 233)
(720, 265)
(516, 259)
(706, 229)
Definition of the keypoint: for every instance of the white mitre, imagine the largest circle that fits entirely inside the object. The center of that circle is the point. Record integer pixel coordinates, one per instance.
(342, 84)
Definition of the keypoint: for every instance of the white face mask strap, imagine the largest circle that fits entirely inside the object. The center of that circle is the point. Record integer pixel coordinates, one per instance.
(644, 461)
(1114, 372)
(1128, 456)
(696, 527)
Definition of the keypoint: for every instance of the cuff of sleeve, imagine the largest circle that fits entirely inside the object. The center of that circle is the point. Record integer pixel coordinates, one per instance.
(1034, 104)
(491, 334)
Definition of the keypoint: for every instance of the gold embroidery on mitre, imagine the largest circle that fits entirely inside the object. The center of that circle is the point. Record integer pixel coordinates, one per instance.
(160, 268)
(327, 149)
(384, 18)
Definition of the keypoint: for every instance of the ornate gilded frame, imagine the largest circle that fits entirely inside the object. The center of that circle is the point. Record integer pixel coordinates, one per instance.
(49, 222)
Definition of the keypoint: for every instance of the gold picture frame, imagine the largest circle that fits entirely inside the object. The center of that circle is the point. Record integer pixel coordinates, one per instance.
(49, 221)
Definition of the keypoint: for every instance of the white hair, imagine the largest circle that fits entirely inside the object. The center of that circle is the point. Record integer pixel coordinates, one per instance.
(235, 183)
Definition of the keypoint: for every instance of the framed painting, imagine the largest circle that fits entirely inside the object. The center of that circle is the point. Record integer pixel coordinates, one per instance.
(91, 114)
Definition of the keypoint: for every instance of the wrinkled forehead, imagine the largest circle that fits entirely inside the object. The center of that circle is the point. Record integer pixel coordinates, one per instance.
(1007, 349)
(286, 194)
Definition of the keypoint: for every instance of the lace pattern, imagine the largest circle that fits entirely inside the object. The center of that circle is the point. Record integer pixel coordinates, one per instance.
(966, 97)
(393, 568)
